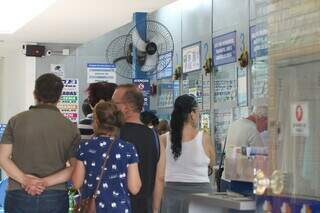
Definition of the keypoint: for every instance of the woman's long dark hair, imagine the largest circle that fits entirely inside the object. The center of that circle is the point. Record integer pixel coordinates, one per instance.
(183, 106)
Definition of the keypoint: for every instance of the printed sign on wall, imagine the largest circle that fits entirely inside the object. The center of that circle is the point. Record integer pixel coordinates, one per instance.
(258, 41)
(300, 119)
(101, 72)
(224, 49)
(242, 87)
(225, 84)
(259, 76)
(206, 93)
(165, 95)
(191, 58)
(165, 66)
(205, 122)
(69, 100)
(176, 89)
(57, 69)
(144, 86)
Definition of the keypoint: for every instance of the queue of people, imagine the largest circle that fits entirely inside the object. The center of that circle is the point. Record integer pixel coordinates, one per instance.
(115, 155)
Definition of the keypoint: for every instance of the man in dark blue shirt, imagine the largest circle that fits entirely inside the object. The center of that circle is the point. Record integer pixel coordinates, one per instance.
(130, 101)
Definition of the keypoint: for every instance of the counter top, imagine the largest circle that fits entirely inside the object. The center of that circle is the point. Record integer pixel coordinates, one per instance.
(225, 200)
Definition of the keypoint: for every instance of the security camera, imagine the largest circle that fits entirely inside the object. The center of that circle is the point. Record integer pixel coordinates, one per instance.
(49, 52)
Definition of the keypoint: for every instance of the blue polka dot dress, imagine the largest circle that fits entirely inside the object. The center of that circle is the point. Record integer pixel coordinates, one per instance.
(113, 195)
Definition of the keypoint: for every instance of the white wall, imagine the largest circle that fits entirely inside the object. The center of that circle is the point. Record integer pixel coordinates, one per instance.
(17, 77)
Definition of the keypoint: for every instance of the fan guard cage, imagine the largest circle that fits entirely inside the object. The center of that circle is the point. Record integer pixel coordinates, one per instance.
(157, 33)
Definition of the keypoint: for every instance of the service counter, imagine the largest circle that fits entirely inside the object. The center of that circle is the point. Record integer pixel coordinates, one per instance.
(221, 202)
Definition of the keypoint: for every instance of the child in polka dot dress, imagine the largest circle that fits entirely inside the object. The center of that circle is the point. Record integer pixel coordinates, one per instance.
(121, 174)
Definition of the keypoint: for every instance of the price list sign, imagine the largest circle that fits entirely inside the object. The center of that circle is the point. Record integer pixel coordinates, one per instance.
(224, 90)
(225, 84)
(259, 78)
(69, 100)
(223, 119)
(166, 95)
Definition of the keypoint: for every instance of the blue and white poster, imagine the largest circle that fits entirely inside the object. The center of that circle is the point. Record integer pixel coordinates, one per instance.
(144, 86)
(224, 49)
(191, 58)
(258, 41)
(101, 72)
(165, 95)
(176, 89)
(164, 68)
(2, 128)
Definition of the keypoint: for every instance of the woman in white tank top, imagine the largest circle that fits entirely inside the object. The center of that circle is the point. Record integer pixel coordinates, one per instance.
(185, 156)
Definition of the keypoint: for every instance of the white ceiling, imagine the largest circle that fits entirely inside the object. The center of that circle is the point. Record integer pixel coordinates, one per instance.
(79, 21)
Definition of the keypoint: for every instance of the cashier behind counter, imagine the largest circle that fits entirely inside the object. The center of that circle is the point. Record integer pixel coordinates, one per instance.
(246, 137)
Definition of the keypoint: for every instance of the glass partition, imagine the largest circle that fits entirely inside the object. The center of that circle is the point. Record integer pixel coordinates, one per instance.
(292, 182)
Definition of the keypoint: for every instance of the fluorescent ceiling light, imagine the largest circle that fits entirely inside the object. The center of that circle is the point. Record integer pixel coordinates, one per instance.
(14, 14)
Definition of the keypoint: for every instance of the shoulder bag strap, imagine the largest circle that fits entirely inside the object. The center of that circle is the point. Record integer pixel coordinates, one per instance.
(102, 169)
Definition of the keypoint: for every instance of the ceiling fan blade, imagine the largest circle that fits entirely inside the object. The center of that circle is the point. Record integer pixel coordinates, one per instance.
(150, 63)
(138, 42)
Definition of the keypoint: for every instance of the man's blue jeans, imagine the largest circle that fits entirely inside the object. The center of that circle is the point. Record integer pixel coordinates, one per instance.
(50, 201)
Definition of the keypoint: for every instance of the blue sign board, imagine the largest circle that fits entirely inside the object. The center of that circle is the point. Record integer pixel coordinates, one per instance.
(144, 86)
(2, 128)
(258, 41)
(224, 49)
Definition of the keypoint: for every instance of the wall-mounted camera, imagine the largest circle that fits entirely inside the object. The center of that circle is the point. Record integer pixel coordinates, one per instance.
(33, 50)
(49, 53)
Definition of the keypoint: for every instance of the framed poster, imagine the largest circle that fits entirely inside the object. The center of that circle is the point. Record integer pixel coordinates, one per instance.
(191, 57)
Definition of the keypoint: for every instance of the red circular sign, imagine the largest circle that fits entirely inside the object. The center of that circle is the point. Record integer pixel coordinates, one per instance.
(141, 86)
(299, 113)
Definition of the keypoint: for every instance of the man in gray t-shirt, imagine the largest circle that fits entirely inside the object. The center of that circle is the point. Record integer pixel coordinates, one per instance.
(34, 150)
(243, 135)
(245, 131)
